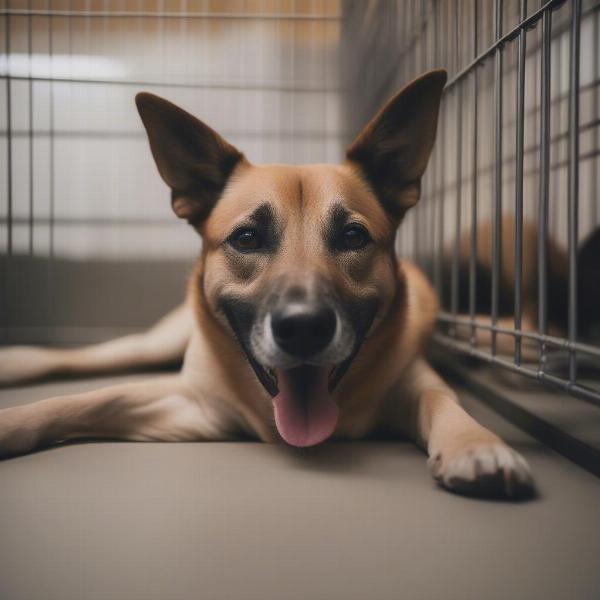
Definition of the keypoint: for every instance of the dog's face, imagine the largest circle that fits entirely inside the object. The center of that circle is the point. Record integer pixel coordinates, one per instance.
(298, 261)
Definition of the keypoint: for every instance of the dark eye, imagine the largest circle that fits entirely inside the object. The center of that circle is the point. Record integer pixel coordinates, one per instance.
(246, 240)
(354, 237)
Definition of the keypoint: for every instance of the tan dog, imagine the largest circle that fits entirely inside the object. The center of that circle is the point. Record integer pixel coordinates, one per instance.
(300, 322)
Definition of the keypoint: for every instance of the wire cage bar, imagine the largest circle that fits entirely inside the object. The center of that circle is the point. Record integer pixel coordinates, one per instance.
(511, 192)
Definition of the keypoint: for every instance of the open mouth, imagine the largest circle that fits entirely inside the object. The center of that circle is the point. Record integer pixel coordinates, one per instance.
(305, 412)
(269, 377)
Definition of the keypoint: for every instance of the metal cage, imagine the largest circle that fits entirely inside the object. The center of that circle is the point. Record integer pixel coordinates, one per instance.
(518, 145)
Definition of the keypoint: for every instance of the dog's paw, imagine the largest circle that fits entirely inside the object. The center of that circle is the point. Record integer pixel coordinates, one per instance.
(489, 469)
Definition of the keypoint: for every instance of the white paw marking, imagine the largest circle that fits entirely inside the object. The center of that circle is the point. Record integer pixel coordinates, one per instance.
(484, 470)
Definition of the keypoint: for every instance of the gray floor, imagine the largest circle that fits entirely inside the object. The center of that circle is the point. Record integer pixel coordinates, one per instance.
(245, 520)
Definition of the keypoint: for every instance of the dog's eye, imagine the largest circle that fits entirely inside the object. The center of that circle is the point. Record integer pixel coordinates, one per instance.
(246, 240)
(354, 237)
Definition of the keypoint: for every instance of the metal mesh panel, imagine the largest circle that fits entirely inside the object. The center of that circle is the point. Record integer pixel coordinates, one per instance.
(511, 190)
(79, 190)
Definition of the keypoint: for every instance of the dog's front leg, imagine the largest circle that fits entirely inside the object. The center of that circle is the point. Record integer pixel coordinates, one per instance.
(463, 455)
(162, 409)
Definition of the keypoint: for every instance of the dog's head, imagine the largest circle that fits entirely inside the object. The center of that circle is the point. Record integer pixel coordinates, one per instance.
(298, 261)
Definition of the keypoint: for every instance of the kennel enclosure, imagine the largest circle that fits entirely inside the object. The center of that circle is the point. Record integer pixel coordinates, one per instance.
(92, 251)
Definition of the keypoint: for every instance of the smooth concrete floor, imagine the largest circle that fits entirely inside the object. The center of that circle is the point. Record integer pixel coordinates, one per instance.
(253, 521)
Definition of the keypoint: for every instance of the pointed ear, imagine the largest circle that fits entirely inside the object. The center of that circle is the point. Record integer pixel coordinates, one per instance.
(193, 160)
(393, 149)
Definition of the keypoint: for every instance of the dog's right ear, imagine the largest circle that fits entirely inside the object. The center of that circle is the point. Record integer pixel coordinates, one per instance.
(193, 160)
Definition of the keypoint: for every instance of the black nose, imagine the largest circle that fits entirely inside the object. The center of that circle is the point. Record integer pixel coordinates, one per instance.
(302, 329)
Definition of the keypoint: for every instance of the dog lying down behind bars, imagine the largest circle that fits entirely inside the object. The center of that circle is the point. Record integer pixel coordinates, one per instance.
(555, 296)
(300, 323)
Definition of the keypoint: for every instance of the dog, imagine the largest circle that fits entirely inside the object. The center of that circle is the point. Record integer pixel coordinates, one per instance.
(300, 322)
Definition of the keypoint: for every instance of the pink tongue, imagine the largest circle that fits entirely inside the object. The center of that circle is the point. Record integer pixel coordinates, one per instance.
(305, 413)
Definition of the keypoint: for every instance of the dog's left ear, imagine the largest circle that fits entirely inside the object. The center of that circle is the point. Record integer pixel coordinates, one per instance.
(393, 149)
(193, 159)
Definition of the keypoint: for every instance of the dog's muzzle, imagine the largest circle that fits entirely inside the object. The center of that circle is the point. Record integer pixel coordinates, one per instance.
(302, 339)
(300, 346)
